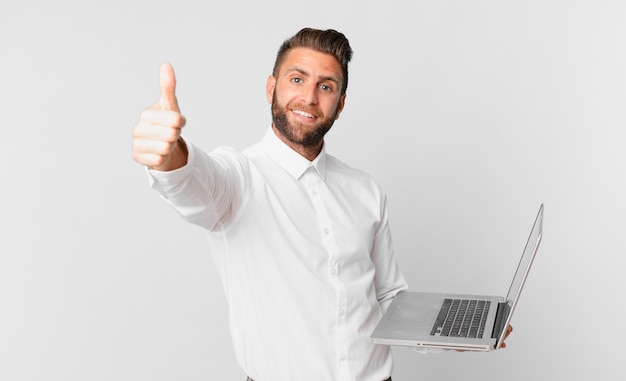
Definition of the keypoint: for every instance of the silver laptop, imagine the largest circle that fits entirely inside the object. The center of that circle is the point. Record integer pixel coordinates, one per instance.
(456, 321)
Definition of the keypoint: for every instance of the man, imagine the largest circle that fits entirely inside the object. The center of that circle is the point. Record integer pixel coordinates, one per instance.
(301, 241)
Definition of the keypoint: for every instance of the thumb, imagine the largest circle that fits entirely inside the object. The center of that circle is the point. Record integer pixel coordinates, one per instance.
(167, 83)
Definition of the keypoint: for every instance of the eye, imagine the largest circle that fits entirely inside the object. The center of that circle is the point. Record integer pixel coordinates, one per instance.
(296, 80)
(326, 88)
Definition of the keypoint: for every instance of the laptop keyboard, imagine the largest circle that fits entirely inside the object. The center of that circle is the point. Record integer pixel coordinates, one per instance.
(461, 318)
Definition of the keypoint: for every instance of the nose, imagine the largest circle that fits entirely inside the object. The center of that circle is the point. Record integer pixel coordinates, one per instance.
(309, 94)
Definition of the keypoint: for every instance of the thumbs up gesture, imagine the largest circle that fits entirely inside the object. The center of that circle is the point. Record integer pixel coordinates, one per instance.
(156, 136)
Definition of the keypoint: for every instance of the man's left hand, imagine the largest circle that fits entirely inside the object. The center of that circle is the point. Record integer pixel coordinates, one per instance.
(509, 329)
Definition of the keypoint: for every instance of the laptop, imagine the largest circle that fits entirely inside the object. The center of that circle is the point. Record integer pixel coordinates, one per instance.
(456, 321)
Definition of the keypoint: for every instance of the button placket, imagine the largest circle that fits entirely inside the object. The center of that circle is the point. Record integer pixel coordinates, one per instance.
(313, 185)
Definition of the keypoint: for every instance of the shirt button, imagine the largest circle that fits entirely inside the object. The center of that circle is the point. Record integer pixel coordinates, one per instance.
(326, 231)
(342, 312)
(343, 357)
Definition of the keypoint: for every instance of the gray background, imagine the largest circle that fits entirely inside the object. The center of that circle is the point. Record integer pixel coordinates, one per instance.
(469, 113)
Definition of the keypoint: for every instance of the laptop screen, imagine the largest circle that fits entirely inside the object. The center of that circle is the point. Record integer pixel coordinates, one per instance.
(526, 261)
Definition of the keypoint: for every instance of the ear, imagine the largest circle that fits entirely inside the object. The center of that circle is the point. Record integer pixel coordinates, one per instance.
(342, 102)
(269, 88)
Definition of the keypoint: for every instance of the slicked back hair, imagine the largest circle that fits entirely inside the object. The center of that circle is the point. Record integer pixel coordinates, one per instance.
(324, 41)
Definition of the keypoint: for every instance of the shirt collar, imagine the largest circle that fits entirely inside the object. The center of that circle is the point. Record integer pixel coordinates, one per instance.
(290, 160)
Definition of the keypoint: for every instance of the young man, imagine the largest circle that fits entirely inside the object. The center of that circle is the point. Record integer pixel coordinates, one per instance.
(301, 241)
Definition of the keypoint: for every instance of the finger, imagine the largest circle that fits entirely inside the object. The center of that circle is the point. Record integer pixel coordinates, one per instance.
(151, 153)
(152, 147)
(149, 131)
(148, 159)
(164, 118)
(509, 329)
(167, 83)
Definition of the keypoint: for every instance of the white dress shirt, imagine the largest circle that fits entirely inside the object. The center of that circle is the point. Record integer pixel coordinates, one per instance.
(304, 253)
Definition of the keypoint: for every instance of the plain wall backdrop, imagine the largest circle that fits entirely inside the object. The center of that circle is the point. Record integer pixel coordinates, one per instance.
(470, 114)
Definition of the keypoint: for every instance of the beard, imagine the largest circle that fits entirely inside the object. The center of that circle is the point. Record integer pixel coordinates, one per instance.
(296, 132)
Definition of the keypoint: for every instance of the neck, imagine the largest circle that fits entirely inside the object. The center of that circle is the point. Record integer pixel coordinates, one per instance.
(309, 152)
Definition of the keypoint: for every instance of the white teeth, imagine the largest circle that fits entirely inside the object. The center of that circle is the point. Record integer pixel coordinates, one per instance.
(304, 114)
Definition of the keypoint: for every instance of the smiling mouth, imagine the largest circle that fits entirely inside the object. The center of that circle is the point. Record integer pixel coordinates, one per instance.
(304, 114)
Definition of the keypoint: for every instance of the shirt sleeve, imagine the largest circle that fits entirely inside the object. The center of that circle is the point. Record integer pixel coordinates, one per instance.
(209, 190)
(388, 278)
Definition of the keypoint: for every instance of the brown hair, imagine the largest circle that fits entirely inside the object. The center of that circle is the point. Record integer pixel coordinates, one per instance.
(325, 41)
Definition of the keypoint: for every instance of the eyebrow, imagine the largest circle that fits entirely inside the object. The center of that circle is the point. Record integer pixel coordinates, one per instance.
(307, 74)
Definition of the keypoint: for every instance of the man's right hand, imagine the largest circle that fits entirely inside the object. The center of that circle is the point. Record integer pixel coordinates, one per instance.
(156, 136)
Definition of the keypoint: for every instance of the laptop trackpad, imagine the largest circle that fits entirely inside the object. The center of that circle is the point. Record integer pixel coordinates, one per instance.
(402, 314)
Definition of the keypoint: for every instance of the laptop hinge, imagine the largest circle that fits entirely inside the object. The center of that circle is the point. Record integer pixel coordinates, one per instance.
(501, 315)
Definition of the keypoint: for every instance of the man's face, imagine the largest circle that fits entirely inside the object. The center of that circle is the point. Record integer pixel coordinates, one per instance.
(306, 96)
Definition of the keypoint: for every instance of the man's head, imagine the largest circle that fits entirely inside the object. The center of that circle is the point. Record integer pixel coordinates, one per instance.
(307, 87)
(324, 41)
